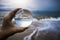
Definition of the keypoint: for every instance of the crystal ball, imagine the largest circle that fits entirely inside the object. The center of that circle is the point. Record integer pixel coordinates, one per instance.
(23, 18)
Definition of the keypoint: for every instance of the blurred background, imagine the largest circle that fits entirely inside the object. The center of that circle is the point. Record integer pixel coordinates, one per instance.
(37, 7)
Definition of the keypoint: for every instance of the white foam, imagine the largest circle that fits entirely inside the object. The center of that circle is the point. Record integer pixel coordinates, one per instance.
(50, 19)
(47, 23)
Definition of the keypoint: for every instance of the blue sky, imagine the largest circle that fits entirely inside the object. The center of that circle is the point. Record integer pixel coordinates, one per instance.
(42, 5)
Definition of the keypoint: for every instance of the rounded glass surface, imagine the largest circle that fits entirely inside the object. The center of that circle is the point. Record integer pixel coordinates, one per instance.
(23, 18)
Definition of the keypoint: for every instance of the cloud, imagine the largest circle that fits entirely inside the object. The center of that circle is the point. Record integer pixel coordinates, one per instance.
(30, 4)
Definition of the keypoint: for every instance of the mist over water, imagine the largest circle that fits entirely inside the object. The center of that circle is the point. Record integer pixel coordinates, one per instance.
(46, 25)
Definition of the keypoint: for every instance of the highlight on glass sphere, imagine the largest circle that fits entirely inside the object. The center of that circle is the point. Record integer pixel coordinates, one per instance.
(23, 18)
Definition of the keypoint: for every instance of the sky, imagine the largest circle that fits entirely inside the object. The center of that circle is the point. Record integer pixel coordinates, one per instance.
(42, 5)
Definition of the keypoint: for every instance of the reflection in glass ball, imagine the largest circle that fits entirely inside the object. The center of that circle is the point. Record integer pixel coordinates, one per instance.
(23, 18)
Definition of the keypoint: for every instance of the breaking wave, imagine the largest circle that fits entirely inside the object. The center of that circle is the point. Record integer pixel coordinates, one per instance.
(52, 24)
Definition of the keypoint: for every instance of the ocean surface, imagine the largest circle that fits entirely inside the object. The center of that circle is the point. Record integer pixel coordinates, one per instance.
(38, 13)
(34, 13)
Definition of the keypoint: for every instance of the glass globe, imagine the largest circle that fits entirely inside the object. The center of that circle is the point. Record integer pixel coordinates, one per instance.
(23, 18)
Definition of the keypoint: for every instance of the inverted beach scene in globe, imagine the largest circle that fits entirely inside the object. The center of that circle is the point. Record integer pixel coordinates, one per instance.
(23, 18)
